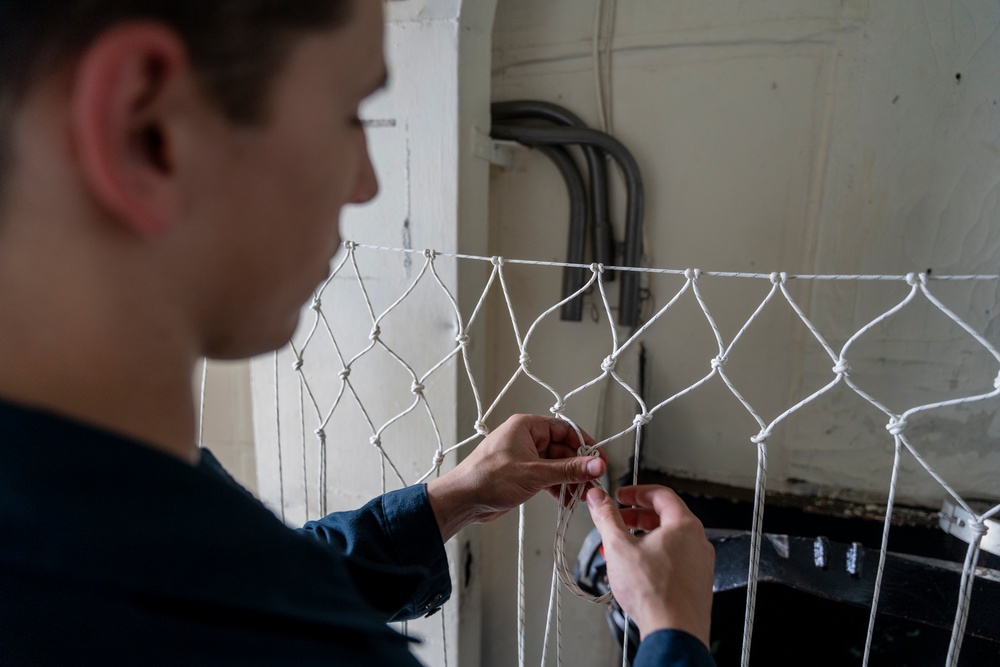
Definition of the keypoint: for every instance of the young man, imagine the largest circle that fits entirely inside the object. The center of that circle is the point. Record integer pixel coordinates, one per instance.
(171, 174)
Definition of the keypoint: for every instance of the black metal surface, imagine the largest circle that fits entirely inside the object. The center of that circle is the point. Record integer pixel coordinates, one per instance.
(918, 589)
(793, 627)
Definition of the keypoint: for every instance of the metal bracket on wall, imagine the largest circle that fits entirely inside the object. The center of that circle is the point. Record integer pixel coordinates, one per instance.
(494, 151)
(923, 590)
(956, 521)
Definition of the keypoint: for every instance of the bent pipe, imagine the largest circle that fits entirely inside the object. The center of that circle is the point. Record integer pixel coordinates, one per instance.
(602, 233)
(628, 307)
(573, 276)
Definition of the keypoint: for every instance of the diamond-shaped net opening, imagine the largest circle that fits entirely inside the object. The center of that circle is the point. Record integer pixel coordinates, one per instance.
(359, 375)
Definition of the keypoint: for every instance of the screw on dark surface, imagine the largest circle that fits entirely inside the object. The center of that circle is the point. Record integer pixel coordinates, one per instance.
(821, 552)
(855, 556)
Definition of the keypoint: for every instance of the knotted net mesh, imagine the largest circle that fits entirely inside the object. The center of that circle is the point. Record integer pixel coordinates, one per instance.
(358, 371)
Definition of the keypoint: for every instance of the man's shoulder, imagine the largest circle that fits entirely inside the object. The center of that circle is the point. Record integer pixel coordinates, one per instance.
(121, 547)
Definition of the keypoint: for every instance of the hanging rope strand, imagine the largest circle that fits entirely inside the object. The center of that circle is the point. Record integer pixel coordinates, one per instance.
(391, 439)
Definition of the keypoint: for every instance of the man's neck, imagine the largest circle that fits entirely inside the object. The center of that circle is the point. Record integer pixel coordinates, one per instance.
(129, 398)
(91, 324)
(122, 365)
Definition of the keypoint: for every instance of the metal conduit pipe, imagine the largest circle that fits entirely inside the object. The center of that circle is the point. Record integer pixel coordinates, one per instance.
(602, 233)
(573, 277)
(628, 305)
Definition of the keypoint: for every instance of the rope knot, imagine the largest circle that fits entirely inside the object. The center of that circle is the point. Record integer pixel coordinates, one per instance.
(417, 388)
(430, 254)
(557, 408)
(350, 245)
(692, 274)
(608, 364)
(911, 279)
(496, 260)
(585, 450)
(642, 419)
(481, 428)
(978, 528)
(297, 366)
(842, 368)
(760, 438)
(374, 333)
(718, 362)
(896, 425)
(375, 441)
(317, 303)
(345, 372)
(597, 268)
(438, 458)
(779, 278)
(321, 434)
(524, 359)
(462, 339)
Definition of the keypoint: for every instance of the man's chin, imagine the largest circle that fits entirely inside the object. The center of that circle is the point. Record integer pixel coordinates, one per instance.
(251, 343)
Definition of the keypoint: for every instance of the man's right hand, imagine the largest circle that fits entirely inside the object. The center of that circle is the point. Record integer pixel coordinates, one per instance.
(662, 579)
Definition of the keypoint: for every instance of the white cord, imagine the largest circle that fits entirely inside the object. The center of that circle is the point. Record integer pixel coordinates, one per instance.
(917, 287)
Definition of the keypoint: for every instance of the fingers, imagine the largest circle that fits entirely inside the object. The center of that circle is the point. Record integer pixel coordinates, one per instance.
(640, 519)
(571, 490)
(576, 470)
(558, 451)
(535, 453)
(606, 517)
(662, 500)
(548, 431)
(552, 475)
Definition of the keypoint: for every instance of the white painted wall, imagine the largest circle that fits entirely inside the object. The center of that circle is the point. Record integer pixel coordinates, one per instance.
(818, 136)
(227, 429)
(420, 132)
(809, 137)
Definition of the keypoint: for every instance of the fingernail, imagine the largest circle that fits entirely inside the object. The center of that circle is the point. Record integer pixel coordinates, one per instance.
(594, 466)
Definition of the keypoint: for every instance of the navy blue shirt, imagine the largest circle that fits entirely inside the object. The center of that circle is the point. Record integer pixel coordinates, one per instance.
(112, 553)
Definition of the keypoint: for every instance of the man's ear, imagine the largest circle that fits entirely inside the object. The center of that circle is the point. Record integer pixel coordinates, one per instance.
(126, 87)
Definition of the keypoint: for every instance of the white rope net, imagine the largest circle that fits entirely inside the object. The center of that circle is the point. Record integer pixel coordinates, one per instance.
(390, 420)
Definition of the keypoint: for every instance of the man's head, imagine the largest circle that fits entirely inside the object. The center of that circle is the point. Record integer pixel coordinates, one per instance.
(236, 46)
(200, 150)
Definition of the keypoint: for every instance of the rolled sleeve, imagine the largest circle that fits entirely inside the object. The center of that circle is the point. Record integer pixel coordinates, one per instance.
(672, 648)
(394, 551)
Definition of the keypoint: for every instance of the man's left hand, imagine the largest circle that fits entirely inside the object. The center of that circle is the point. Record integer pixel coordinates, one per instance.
(525, 455)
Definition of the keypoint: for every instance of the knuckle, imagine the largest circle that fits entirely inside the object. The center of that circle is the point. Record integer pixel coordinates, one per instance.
(515, 420)
(692, 524)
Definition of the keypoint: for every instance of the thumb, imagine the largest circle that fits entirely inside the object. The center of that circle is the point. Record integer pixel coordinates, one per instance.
(574, 470)
(606, 516)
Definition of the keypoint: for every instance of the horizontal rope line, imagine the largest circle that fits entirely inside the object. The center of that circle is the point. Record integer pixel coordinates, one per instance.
(682, 272)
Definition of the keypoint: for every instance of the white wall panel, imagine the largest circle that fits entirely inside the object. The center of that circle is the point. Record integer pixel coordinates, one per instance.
(820, 137)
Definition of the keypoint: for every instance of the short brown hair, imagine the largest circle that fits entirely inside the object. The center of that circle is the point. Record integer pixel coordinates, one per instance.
(235, 46)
